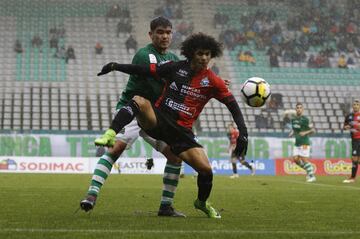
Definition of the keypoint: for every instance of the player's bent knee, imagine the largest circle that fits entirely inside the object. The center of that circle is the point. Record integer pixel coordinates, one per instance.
(141, 101)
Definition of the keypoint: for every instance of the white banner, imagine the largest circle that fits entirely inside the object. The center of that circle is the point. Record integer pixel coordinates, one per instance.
(11, 164)
(43, 165)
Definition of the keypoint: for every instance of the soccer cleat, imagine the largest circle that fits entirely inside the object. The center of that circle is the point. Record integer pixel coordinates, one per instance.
(349, 180)
(252, 171)
(88, 203)
(169, 211)
(107, 139)
(207, 209)
(311, 179)
(234, 176)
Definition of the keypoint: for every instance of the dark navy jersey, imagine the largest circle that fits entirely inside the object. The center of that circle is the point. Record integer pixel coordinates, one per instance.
(185, 93)
(353, 119)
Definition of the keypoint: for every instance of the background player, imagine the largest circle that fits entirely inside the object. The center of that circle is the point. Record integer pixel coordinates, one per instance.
(301, 129)
(156, 52)
(352, 123)
(233, 134)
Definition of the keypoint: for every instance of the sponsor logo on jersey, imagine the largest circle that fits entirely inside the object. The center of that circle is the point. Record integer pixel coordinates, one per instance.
(187, 90)
(163, 62)
(182, 73)
(178, 107)
(204, 82)
(152, 59)
(173, 86)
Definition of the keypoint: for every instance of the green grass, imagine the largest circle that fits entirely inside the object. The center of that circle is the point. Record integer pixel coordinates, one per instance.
(43, 206)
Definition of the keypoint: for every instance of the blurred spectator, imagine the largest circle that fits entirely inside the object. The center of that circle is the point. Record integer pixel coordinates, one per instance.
(264, 120)
(131, 43)
(18, 47)
(113, 12)
(54, 41)
(60, 53)
(215, 69)
(220, 19)
(311, 62)
(342, 62)
(274, 62)
(246, 57)
(123, 26)
(70, 54)
(98, 48)
(185, 28)
(350, 63)
(36, 41)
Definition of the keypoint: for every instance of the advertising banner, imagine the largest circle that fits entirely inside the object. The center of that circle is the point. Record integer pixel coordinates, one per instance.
(322, 167)
(223, 166)
(43, 165)
(48, 145)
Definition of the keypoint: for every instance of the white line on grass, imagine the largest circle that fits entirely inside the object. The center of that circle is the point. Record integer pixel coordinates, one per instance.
(55, 230)
(317, 184)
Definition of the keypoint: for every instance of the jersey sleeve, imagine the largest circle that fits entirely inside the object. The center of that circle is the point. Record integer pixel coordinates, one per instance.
(163, 69)
(347, 120)
(222, 92)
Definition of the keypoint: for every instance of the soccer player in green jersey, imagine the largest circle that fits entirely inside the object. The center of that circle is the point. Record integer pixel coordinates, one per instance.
(155, 52)
(301, 129)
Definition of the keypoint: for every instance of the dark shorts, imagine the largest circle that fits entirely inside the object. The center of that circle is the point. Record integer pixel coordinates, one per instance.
(355, 143)
(177, 137)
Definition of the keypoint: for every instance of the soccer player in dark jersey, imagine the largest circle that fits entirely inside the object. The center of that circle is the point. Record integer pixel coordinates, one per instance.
(301, 129)
(233, 134)
(155, 52)
(352, 123)
(189, 86)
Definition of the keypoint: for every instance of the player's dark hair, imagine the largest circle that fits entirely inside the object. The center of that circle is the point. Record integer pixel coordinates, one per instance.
(298, 103)
(200, 41)
(160, 21)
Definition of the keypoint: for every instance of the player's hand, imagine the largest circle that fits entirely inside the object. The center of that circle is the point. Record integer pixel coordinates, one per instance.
(241, 146)
(107, 68)
(227, 83)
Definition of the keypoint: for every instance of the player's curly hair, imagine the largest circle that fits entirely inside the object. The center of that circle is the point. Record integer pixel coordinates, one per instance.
(200, 41)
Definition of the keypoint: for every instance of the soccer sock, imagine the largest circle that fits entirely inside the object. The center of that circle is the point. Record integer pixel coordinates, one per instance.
(204, 182)
(354, 168)
(101, 172)
(170, 181)
(234, 168)
(125, 115)
(246, 164)
(309, 169)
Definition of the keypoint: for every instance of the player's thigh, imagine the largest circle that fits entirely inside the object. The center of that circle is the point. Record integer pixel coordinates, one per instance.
(118, 148)
(355, 150)
(146, 118)
(197, 158)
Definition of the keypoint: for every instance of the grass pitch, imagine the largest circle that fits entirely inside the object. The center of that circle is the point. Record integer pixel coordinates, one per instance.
(43, 206)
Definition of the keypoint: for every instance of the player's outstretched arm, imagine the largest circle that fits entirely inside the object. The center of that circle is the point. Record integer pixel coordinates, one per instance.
(242, 140)
(143, 70)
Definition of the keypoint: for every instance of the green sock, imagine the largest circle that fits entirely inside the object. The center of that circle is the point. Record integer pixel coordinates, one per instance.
(101, 172)
(170, 180)
(309, 169)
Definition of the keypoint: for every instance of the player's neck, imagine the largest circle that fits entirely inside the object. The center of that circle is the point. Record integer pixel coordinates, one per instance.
(160, 50)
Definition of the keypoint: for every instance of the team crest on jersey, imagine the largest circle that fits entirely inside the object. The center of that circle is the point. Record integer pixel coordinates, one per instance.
(205, 82)
(173, 86)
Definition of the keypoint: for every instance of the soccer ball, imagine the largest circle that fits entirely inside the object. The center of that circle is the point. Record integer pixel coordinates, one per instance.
(255, 91)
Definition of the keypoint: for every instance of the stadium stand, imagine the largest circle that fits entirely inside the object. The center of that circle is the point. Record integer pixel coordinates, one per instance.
(43, 92)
